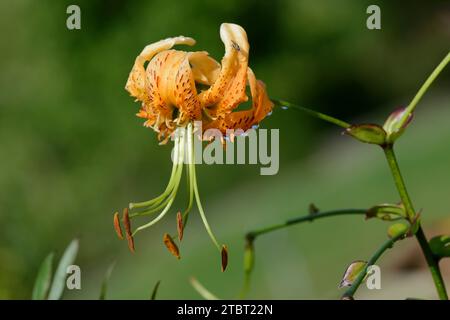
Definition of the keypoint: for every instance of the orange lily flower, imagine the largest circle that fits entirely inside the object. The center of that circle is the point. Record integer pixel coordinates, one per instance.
(168, 86)
(177, 88)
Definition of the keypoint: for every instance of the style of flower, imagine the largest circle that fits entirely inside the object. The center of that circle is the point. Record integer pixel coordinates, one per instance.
(178, 88)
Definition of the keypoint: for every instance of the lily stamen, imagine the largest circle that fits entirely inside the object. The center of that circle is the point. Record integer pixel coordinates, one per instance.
(171, 198)
(197, 199)
(169, 188)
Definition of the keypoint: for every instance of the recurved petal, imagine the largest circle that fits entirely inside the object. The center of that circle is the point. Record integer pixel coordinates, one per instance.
(261, 103)
(204, 68)
(235, 39)
(171, 84)
(136, 82)
(150, 50)
(228, 91)
(161, 77)
(244, 120)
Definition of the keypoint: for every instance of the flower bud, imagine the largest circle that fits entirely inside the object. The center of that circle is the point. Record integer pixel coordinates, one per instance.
(394, 127)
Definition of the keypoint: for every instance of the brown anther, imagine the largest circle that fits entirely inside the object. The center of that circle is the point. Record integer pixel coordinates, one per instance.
(171, 245)
(180, 226)
(130, 243)
(127, 225)
(224, 254)
(117, 226)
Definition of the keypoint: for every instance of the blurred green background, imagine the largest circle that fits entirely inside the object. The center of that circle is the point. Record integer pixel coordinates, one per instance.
(72, 151)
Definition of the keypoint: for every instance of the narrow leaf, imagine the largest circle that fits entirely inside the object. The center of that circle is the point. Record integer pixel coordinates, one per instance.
(205, 293)
(43, 279)
(155, 290)
(105, 282)
(59, 280)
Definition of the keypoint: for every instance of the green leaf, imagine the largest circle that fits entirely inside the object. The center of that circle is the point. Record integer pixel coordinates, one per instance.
(387, 212)
(393, 127)
(59, 280)
(352, 272)
(105, 282)
(205, 293)
(397, 229)
(43, 279)
(368, 133)
(155, 290)
(440, 245)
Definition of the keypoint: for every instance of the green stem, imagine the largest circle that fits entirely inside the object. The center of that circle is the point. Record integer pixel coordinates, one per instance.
(433, 264)
(412, 105)
(355, 285)
(399, 182)
(251, 236)
(420, 236)
(319, 115)
(245, 287)
(311, 217)
(249, 261)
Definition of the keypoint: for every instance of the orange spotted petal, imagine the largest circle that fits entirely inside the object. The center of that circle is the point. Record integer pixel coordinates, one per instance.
(205, 69)
(261, 106)
(261, 103)
(136, 82)
(228, 91)
(185, 93)
(167, 87)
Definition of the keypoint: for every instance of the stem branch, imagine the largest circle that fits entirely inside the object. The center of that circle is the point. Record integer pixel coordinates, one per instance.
(310, 217)
(399, 182)
(313, 113)
(355, 285)
(251, 236)
(412, 105)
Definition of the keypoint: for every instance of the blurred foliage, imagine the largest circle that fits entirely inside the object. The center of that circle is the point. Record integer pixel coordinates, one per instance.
(72, 150)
